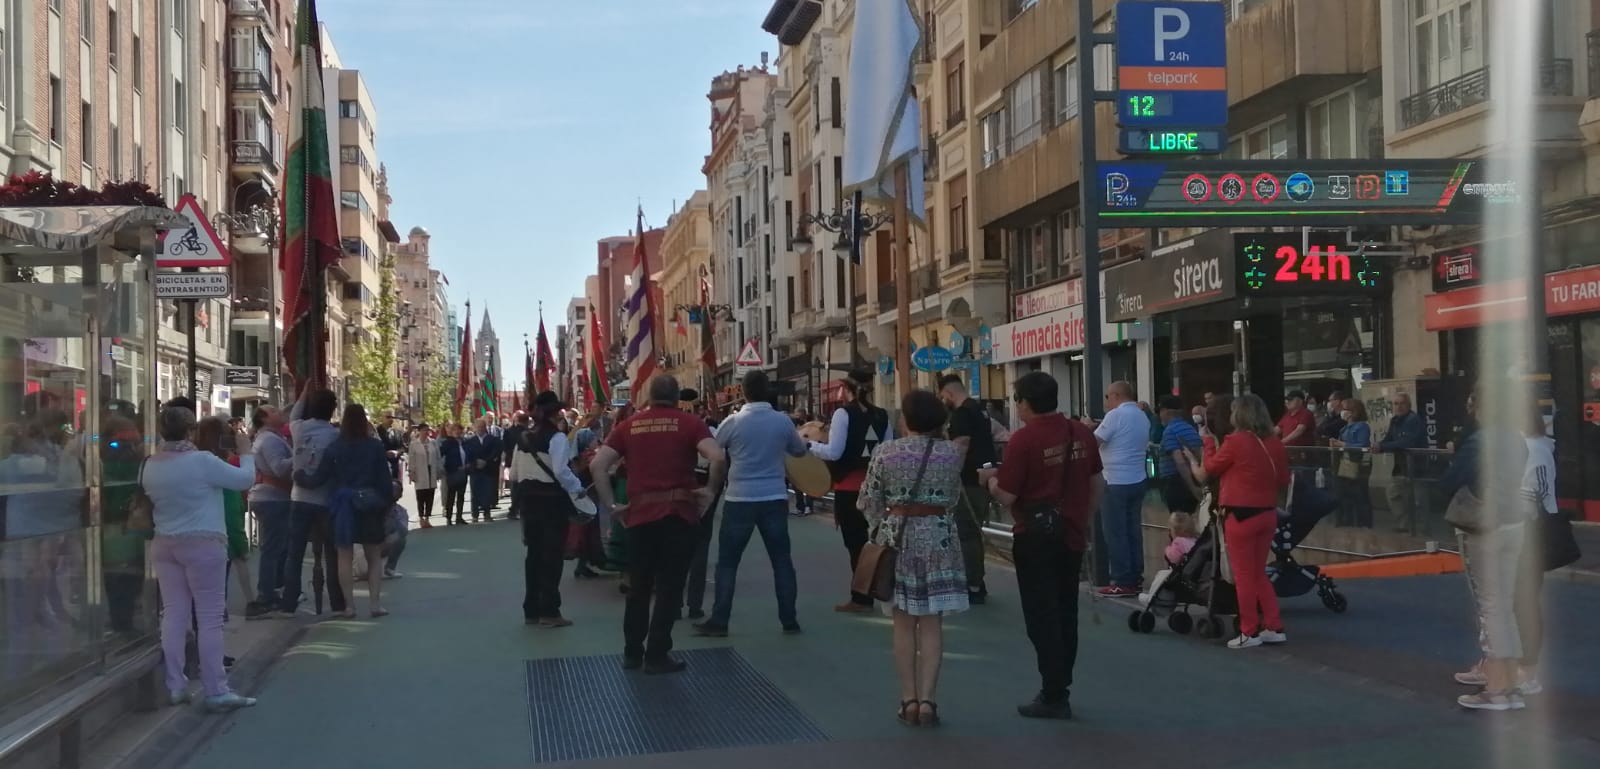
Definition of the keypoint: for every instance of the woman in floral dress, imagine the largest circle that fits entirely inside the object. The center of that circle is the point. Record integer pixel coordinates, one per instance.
(911, 486)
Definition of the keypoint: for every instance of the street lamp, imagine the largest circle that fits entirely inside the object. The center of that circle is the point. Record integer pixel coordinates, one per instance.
(852, 223)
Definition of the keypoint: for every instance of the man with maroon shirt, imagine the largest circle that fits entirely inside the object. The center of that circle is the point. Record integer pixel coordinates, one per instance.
(1050, 481)
(1298, 427)
(662, 516)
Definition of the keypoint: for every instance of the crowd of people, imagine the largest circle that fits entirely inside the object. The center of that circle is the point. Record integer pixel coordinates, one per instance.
(640, 492)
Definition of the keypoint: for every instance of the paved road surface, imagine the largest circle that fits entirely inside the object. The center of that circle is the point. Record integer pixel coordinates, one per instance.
(442, 682)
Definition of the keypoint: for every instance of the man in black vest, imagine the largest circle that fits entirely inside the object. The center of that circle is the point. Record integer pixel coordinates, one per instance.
(969, 429)
(854, 433)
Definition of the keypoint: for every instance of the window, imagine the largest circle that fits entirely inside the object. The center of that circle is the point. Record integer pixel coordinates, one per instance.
(1025, 106)
(788, 224)
(86, 132)
(1332, 130)
(994, 137)
(115, 169)
(1265, 142)
(5, 62)
(838, 180)
(958, 230)
(179, 10)
(1445, 35)
(205, 42)
(955, 94)
(1065, 82)
(1069, 234)
(788, 155)
(836, 103)
(86, 20)
(180, 105)
(1031, 262)
(349, 108)
(113, 38)
(138, 63)
(58, 117)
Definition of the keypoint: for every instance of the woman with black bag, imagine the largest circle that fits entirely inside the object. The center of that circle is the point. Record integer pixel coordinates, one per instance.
(911, 486)
(363, 492)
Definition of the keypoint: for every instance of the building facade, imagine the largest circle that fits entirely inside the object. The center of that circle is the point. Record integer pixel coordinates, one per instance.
(685, 276)
(421, 344)
(574, 354)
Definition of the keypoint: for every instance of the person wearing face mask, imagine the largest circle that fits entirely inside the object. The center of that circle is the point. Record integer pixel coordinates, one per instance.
(1178, 487)
(1352, 469)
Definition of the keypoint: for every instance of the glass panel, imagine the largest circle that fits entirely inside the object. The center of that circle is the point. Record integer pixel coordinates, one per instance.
(125, 397)
(51, 617)
(1446, 42)
(1340, 141)
(1426, 71)
(1317, 130)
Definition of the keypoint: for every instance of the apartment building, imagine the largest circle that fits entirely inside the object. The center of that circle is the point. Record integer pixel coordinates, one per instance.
(94, 91)
(421, 345)
(735, 172)
(260, 61)
(573, 356)
(971, 280)
(823, 294)
(364, 228)
(685, 272)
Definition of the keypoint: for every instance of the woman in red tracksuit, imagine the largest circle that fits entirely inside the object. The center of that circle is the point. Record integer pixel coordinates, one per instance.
(1251, 467)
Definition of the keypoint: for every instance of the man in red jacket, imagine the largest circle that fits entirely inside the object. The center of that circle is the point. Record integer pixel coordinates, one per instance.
(1050, 481)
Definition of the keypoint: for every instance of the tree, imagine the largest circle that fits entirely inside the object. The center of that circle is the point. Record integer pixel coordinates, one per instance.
(373, 373)
(438, 391)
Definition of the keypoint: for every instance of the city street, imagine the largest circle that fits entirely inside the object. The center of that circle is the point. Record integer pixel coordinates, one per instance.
(442, 682)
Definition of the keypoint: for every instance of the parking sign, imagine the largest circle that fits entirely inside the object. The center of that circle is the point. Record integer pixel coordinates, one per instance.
(1172, 64)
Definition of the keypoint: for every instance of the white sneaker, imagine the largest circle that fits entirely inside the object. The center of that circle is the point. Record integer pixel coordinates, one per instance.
(1486, 700)
(1529, 686)
(391, 574)
(1274, 637)
(178, 697)
(223, 703)
(1245, 642)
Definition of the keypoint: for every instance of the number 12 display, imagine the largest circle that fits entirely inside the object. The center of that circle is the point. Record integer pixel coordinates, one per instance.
(1288, 265)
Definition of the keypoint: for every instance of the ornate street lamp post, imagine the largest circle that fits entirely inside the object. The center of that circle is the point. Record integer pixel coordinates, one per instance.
(852, 223)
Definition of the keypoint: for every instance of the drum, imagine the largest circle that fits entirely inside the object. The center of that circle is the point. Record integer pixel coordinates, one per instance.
(809, 475)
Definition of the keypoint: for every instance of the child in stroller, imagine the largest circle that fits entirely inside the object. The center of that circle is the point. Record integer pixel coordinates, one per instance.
(1193, 579)
(1289, 577)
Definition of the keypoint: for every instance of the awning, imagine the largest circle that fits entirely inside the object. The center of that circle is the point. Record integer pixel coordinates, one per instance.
(80, 228)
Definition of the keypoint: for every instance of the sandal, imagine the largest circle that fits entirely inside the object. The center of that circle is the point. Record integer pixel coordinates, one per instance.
(908, 713)
(928, 713)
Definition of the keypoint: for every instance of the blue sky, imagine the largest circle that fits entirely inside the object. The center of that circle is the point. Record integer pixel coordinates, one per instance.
(519, 132)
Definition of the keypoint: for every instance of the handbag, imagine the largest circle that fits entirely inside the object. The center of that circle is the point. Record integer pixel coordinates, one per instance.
(874, 572)
(1466, 512)
(1286, 495)
(141, 509)
(1349, 469)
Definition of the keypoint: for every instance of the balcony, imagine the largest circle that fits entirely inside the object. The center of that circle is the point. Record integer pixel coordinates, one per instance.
(253, 81)
(1278, 43)
(1452, 96)
(250, 10)
(930, 160)
(924, 282)
(253, 157)
(886, 297)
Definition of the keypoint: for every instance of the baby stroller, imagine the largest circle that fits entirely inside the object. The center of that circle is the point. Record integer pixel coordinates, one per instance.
(1196, 581)
(1289, 577)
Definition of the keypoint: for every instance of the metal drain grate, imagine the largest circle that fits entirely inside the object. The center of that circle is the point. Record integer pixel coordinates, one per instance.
(589, 707)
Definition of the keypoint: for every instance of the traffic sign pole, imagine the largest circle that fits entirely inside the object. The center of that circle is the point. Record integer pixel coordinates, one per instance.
(194, 384)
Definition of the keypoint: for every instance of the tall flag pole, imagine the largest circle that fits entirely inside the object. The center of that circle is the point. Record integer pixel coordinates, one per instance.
(883, 138)
(310, 218)
(546, 360)
(641, 320)
(599, 383)
(708, 344)
(464, 375)
(530, 387)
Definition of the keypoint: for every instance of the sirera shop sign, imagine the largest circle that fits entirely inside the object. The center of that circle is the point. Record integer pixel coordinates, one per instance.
(1190, 273)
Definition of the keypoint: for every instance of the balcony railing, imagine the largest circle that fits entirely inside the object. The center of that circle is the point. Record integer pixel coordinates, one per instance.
(254, 81)
(252, 153)
(1451, 96)
(930, 161)
(959, 256)
(924, 282)
(250, 9)
(886, 297)
(1593, 39)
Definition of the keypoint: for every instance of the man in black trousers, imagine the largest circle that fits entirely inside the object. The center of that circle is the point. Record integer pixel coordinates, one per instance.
(519, 425)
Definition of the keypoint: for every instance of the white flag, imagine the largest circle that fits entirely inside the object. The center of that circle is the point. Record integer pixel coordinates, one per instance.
(883, 127)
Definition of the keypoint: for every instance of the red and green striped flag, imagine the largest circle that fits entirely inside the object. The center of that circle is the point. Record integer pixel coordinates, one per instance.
(310, 215)
(597, 361)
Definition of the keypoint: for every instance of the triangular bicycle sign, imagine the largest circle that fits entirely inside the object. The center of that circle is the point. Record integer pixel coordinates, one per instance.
(194, 246)
(750, 355)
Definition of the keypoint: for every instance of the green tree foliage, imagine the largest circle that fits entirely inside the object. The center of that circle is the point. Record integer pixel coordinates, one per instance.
(438, 392)
(373, 378)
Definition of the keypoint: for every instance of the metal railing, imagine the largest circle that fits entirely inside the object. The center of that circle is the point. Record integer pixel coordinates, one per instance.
(253, 81)
(252, 153)
(1451, 96)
